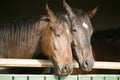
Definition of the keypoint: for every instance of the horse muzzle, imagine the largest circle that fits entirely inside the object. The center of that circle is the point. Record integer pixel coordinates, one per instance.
(86, 65)
(66, 69)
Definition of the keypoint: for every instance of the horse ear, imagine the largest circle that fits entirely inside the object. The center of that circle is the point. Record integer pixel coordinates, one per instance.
(68, 8)
(92, 12)
(50, 13)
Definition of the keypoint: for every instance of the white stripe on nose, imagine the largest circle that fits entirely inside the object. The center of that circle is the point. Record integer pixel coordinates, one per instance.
(67, 31)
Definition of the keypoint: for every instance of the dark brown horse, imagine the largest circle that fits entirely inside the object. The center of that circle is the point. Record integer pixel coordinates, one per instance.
(82, 30)
(48, 35)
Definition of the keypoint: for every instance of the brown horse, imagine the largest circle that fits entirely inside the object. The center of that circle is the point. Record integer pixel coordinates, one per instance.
(82, 30)
(48, 35)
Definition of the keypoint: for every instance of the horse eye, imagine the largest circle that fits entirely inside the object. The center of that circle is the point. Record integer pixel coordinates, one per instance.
(74, 30)
(57, 34)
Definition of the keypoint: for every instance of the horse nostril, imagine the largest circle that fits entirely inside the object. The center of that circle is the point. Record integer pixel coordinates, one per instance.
(66, 68)
(86, 64)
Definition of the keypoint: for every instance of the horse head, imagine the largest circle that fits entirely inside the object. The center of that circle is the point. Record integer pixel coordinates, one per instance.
(82, 30)
(56, 43)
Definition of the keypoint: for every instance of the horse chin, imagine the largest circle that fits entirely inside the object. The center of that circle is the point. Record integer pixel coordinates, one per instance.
(61, 72)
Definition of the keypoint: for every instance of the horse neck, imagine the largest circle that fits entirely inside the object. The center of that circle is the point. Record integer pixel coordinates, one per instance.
(20, 38)
(43, 28)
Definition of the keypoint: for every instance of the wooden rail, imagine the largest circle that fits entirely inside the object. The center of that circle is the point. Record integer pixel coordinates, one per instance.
(47, 63)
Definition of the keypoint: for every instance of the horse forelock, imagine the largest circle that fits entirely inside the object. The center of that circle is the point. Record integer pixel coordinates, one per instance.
(80, 14)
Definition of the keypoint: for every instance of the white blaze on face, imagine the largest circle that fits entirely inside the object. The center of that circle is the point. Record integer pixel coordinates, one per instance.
(67, 31)
(85, 25)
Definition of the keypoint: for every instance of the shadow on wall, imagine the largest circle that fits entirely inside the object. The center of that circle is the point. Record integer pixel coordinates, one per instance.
(107, 16)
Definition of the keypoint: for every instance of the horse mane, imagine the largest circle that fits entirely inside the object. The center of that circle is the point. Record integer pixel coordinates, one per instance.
(18, 33)
(79, 13)
(16, 27)
(21, 25)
